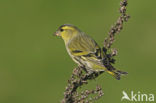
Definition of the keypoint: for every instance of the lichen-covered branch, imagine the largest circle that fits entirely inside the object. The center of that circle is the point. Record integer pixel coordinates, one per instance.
(80, 76)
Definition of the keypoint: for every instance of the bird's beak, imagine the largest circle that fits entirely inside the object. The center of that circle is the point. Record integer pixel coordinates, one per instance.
(57, 33)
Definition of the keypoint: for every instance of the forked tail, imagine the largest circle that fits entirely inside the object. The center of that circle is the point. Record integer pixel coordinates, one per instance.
(117, 73)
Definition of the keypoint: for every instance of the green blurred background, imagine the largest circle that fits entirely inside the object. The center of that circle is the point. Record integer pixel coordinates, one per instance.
(35, 67)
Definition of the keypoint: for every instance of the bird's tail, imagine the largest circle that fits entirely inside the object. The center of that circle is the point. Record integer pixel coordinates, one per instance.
(117, 73)
(111, 70)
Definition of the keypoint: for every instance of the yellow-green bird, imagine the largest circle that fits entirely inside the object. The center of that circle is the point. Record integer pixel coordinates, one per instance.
(84, 50)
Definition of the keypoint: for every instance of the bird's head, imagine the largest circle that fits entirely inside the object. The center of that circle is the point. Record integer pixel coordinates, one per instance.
(67, 32)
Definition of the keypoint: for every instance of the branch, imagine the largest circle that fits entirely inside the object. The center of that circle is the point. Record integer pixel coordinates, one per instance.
(118, 25)
(80, 76)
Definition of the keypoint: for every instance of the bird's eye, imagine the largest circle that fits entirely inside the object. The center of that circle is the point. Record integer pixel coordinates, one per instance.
(61, 30)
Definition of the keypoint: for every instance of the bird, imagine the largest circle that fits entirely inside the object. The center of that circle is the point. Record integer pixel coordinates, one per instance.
(84, 50)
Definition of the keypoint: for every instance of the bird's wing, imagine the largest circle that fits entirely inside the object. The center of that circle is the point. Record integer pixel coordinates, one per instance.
(85, 46)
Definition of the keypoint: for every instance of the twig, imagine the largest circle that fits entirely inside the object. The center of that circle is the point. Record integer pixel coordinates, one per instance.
(80, 76)
(118, 25)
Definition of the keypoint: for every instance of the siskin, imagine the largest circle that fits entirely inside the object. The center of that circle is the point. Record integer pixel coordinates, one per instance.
(84, 50)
